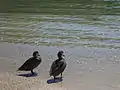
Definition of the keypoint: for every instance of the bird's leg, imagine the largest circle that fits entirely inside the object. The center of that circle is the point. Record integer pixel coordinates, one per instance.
(61, 75)
(54, 78)
(32, 72)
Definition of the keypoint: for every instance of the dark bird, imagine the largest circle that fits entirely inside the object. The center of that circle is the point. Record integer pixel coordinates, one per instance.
(31, 63)
(58, 66)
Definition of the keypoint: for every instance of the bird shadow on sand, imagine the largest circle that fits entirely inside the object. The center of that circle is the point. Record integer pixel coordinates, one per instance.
(58, 79)
(28, 74)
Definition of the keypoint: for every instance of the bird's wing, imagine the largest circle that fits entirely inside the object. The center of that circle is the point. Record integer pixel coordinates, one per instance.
(55, 66)
(26, 64)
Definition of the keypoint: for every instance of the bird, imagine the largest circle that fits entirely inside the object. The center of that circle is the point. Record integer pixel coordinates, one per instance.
(58, 66)
(31, 63)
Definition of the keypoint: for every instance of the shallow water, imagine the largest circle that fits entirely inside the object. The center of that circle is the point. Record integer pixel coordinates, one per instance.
(57, 23)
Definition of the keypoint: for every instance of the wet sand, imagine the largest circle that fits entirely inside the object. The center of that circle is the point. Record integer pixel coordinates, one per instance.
(87, 69)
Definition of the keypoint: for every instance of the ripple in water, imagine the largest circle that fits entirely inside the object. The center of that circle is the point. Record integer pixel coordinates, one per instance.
(98, 31)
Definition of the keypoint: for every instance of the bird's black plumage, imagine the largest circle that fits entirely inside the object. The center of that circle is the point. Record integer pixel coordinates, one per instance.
(31, 63)
(58, 66)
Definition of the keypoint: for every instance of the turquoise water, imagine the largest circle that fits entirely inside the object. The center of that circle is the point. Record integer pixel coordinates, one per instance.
(83, 23)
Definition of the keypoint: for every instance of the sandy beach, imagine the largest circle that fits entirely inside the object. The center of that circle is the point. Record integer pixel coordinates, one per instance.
(12, 82)
(88, 68)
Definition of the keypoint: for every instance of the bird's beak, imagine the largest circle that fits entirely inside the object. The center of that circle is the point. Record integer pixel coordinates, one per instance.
(63, 55)
(38, 55)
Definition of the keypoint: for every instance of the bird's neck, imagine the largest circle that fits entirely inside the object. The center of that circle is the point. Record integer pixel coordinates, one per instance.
(60, 58)
(35, 57)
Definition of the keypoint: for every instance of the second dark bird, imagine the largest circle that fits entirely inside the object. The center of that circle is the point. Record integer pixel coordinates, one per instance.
(58, 66)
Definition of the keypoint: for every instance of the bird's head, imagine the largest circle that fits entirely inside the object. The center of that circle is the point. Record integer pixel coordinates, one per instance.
(36, 54)
(60, 54)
